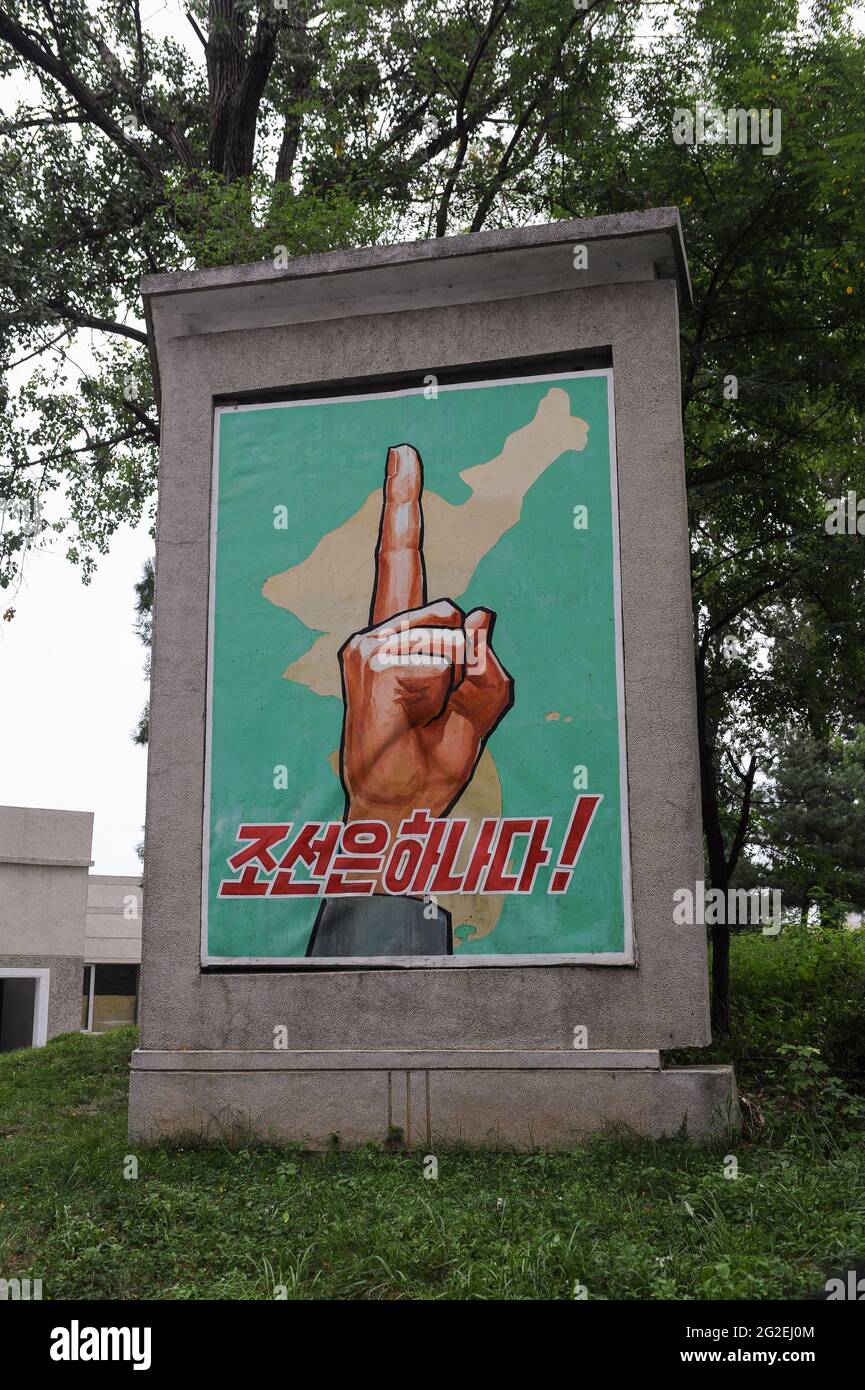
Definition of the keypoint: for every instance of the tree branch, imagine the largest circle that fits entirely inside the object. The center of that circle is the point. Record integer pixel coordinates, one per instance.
(301, 70)
(154, 120)
(61, 118)
(506, 170)
(46, 347)
(741, 607)
(198, 33)
(72, 315)
(498, 179)
(139, 45)
(744, 813)
(495, 19)
(40, 57)
(125, 437)
(144, 419)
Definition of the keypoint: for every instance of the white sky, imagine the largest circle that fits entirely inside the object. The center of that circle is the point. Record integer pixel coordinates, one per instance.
(71, 668)
(72, 683)
(71, 691)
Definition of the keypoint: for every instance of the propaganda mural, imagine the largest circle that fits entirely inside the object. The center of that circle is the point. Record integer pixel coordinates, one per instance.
(415, 732)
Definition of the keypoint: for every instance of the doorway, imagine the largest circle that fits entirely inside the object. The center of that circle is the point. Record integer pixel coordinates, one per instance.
(23, 1008)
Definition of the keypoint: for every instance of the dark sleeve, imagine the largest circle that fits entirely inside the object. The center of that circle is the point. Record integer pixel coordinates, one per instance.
(380, 926)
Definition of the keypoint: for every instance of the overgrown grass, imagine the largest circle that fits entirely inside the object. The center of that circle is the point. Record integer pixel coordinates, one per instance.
(804, 988)
(623, 1218)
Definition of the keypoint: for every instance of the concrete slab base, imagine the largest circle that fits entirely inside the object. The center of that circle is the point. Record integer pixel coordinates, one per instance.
(501, 1099)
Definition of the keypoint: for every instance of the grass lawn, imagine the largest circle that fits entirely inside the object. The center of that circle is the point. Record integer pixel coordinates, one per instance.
(624, 1218)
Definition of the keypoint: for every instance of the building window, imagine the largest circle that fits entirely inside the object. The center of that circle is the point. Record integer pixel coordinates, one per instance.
(110, 997)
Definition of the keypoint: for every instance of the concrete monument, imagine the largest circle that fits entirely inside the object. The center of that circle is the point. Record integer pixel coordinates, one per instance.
(423, 763)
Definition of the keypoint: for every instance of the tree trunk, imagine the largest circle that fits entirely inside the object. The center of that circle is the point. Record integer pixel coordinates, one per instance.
(718, 873)
(720, 980)
(236, 83)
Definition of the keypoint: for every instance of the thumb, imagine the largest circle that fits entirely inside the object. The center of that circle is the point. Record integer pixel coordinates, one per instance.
(487, 689)
(478, 628)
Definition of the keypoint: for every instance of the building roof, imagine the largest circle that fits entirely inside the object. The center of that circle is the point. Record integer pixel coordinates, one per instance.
(480, 266)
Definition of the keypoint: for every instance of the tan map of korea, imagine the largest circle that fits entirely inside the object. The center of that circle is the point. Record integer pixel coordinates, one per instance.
(329, 590)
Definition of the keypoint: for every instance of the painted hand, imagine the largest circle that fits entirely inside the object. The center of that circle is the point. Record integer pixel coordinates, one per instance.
(423, 689)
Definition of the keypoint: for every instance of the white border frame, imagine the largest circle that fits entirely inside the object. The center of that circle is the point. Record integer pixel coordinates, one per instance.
(40, 999)
(627, 956)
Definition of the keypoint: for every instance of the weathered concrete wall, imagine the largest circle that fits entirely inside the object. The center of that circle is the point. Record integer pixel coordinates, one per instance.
(44, 858)
(64, 987)
(114, 915)
(42, 909)
(480, 1100)
(34, 835)
(662, 1003)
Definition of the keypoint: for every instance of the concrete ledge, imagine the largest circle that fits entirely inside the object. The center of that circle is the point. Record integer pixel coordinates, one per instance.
(545, 1102)
(401, 1060)
(43, 863)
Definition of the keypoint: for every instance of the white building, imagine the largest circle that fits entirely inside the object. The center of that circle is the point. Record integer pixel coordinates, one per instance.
(70, 941)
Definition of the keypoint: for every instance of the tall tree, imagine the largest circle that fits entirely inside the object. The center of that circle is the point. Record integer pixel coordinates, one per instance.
(812, 826)
(773, 369)
(290, 125)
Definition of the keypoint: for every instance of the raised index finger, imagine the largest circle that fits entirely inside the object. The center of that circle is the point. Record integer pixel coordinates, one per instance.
(400, 578)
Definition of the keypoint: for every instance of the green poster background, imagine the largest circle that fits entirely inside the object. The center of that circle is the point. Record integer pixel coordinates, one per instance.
(551, 585)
